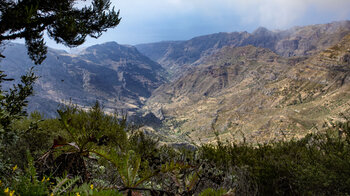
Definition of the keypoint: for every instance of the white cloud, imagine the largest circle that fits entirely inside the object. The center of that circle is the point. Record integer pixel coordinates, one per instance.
(283, 13)
(156, 20)
(270, 13)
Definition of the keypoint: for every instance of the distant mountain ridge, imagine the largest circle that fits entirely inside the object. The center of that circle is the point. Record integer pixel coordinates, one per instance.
(256, 94)
(297, 41)
(259, 86)
(118, 76)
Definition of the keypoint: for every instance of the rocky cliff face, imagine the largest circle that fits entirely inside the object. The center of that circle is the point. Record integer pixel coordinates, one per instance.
(298, 41)
(259, 86)
(118, 76)
(254, 93)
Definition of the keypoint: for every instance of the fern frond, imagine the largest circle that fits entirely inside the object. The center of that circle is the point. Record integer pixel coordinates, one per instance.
(64, 184)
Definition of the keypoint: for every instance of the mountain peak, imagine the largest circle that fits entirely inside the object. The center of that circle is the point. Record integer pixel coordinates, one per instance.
(261, 30)
(115, 44)
(103, 45)
(109, 48)
(111, 43)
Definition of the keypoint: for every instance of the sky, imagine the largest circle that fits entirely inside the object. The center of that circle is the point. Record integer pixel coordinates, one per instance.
(146, 21)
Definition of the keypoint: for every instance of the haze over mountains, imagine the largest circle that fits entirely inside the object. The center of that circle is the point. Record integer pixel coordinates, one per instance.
(279, 85)
(255, 93)
(118, 76)
(263, 85)
(298, 41)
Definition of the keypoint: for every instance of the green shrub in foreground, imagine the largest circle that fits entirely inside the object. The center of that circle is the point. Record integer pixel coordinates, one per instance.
(317, 164)
(118, 160)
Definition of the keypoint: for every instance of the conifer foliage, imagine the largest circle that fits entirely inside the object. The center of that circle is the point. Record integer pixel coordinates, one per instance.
(63, 20)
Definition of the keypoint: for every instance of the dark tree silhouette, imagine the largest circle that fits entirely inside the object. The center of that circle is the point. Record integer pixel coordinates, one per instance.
(63, 20)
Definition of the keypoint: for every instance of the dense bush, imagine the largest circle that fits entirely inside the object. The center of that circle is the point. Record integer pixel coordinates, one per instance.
(91, 153)
(317, 164)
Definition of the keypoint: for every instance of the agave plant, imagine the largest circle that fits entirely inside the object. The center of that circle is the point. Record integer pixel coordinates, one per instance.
(133, 178)
(84, 132)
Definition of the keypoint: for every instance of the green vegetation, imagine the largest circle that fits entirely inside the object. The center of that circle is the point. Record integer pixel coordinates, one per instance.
(91, 153)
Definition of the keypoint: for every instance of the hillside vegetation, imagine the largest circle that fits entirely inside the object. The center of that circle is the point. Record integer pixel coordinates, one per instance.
(90, 153)
(265, 113)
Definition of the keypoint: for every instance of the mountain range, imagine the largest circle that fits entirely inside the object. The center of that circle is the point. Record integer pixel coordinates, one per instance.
(255, 86)
(175, 56)
(117, 76)
(253, 93)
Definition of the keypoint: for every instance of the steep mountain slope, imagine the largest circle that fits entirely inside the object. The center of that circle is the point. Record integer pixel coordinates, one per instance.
(118, 76)
(298, 41)
(254, 93)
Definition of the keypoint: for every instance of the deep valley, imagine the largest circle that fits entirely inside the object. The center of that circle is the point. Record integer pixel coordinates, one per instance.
(257, 86)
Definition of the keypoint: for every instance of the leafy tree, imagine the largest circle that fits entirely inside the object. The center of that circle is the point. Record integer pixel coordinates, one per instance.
(11, 103)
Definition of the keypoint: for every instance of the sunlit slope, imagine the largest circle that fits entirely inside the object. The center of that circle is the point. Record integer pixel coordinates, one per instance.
(254, 93)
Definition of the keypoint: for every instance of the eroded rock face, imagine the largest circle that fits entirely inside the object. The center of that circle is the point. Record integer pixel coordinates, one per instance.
(298, 41)
(258, 83)
(346, 59)
(118, 76)
(288, 47)
(254, 93)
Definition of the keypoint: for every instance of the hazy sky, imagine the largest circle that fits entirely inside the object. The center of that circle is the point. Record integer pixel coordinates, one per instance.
(145, 21)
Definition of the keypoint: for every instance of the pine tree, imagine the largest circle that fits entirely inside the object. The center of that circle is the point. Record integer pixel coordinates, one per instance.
(63, 20)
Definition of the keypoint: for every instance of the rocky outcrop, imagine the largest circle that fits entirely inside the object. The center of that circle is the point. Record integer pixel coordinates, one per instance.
(256, 94)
